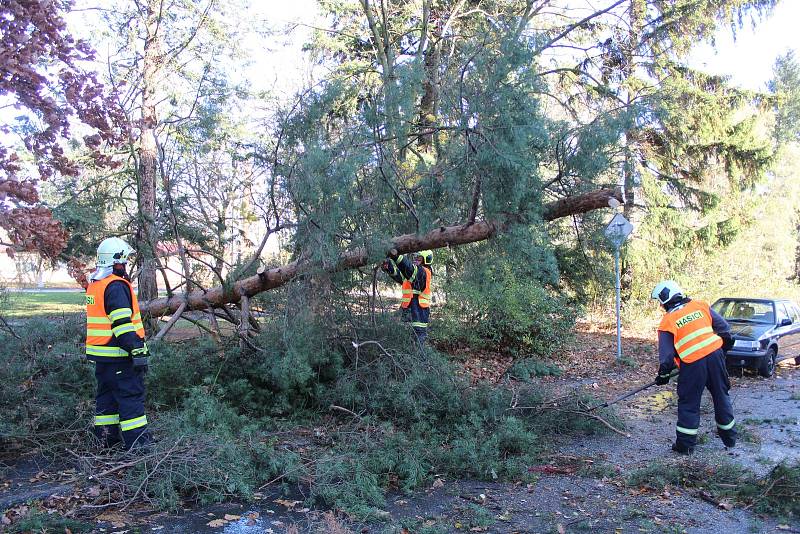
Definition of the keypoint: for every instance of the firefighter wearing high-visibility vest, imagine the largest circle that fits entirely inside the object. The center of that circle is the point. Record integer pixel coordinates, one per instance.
(692, 337)
(415, 277)
(115, 343)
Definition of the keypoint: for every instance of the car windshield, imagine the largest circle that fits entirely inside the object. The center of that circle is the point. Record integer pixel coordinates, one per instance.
(752, 311)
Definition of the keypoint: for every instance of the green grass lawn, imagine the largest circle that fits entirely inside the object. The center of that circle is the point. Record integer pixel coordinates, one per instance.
(22, 305)
(19, 304)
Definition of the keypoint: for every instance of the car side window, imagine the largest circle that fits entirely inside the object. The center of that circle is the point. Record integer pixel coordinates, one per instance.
(780, 309)
(794, 313)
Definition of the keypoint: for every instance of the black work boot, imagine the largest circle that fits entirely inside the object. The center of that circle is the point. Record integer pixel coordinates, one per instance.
(108, 437)
(680, 448)
(142, 444)
(728, 440)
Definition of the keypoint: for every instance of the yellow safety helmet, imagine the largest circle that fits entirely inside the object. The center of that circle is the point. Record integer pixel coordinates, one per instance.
(427, 256)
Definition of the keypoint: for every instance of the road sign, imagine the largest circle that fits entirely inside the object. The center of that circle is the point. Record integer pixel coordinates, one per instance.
(618, 229)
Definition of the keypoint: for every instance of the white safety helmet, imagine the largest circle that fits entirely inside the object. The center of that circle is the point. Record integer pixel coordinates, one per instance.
(666, 291)
(113, 250)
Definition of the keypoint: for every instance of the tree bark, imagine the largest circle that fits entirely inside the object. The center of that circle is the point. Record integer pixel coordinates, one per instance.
(146, 235)
(430, 97)
(631, 139)
(244, 322)
(444, 236)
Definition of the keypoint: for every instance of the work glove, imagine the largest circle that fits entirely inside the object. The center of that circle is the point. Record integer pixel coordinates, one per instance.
(664, 374)
(662, 380)
(140, 357)
(385, 266)
(727, 341)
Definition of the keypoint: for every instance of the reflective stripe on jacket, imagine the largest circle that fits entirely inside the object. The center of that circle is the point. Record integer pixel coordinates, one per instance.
(99, 324)
(408, 291)
(690, 326)
(424, 296)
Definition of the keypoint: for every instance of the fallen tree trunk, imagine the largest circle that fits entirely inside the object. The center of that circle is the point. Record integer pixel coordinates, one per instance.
(358, 257)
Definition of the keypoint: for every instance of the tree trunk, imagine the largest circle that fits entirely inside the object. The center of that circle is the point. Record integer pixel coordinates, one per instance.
(441, 237)
(430, 97)
(631, 137)
(244, 322)
(146, 236)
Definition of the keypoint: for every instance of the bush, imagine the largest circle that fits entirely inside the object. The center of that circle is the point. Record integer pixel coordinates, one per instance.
(293, 363)
(776, 494)
(353, 475)
(505, 305)
(529, 368)
(46, 386)
(411, 414)
(207, 453)
(416, 418)
(177, 368)
(41, 522)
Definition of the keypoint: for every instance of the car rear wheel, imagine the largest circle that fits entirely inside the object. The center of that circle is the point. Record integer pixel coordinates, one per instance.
(766, 367)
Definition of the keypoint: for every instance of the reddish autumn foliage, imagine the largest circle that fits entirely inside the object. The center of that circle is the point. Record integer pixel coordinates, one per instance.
(41, 74)
(77, 270)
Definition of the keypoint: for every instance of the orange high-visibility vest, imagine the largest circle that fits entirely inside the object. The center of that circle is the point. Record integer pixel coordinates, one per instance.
(424, 296)
(99, 331)
(690, 326)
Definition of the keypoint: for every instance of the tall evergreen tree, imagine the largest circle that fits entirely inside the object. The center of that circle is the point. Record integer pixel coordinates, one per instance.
(785, 85)
(442, 113)
(695, 143)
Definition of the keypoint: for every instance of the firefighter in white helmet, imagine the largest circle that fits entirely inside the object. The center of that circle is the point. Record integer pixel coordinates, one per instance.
(115, 342)
(692, 336)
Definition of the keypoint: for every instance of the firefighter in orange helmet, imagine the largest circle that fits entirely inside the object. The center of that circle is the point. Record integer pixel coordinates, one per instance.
(692, 336)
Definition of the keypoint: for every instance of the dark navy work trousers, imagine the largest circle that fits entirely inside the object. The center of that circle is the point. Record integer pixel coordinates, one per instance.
(119, 405)
(708, 372)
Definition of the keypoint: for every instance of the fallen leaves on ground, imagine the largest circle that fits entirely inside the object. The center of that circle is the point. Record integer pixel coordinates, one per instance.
(591, 354)
(117, 519)
(552, 469)
(14, 514)
(287, 503)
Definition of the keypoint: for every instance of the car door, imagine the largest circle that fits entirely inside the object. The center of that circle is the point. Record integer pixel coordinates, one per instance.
(794, 315)
(788, 334)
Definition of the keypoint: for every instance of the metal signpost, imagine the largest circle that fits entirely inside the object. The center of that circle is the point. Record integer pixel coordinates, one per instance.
(617, 232)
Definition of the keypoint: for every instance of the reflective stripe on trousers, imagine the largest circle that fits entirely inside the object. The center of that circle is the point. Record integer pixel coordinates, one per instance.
(707, 372)
(120, 400)
(111, 419)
